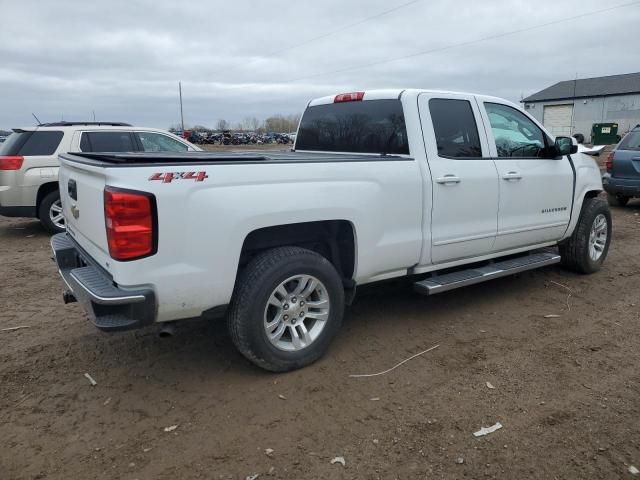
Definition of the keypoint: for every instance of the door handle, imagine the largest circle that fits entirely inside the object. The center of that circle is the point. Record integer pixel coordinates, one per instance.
(512, 176)
(448, 179)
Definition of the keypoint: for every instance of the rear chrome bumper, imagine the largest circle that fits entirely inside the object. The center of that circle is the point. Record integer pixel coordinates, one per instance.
(111, 308)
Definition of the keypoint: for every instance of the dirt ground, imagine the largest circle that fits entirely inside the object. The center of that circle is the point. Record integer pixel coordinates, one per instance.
(567, 389)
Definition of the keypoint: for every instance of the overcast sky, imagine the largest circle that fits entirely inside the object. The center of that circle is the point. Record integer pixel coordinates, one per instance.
(123, 59)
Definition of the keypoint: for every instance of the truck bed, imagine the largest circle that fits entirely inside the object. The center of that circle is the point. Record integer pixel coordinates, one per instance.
(221, 158)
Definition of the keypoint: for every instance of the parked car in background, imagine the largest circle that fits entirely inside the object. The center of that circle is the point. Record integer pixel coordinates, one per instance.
(29, 161)
(622, 179)
(2, 139)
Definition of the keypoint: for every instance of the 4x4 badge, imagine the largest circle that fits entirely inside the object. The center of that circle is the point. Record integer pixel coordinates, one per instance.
(168, 177)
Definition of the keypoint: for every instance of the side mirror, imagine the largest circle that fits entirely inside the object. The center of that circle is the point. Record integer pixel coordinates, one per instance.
(564, 146)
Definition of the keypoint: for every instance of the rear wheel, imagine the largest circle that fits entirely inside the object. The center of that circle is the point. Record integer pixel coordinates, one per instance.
(587, 248)
(50, 213)
(286, 308)
(617, 200)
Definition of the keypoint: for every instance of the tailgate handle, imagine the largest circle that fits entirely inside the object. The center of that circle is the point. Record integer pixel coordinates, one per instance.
(72, 189)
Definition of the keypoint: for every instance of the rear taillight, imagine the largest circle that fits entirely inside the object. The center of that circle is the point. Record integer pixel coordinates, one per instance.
(131, 222)
(11, 162)
(349, 97)
(610, 162)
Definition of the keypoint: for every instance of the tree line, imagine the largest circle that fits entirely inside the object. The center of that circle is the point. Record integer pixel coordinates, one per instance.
(274, 123)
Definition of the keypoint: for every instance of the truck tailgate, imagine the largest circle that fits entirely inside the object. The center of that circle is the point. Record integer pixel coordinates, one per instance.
(82, 195)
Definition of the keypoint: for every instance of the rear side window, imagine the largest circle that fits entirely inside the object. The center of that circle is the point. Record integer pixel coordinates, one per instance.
(157, 142)
(32, 143)
(631, 141)
(455, 128)
(107, 142)
(373, 126)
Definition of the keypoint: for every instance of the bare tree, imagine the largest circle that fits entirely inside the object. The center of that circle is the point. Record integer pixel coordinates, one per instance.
(222, 125)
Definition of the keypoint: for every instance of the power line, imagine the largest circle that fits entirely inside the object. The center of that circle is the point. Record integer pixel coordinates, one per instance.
(346, 27)
(327, 34)
(462, 44)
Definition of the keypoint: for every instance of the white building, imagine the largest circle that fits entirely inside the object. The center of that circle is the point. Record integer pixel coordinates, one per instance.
(573, 106)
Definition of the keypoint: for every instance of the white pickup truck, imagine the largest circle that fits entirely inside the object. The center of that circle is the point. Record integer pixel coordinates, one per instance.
(451, 189)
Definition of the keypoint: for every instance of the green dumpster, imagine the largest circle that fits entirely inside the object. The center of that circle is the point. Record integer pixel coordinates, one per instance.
(604, 133)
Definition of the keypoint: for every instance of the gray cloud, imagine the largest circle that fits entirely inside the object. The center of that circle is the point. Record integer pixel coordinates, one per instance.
(123, 59)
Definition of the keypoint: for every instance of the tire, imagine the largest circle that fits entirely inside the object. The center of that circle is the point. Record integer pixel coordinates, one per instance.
(251, 311)
(50, 208)
(577, 251)
(617, 200)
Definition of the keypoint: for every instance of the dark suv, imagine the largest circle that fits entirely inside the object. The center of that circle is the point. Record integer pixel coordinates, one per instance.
(622, 180)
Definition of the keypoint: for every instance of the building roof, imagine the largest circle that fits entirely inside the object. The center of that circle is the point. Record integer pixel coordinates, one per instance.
(625, 84)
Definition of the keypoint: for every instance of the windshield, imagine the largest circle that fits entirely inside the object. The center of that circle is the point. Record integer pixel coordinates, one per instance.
(371, 126)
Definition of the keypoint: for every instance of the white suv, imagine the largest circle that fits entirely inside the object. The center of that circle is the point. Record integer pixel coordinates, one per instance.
(29, 161)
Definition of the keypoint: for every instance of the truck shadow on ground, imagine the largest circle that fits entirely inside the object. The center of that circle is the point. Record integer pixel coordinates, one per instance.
(23, 228)
(382, 317)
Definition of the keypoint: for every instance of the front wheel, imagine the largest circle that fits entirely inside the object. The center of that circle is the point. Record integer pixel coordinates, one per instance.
(50, 213)
(587, 248)
(286, 308)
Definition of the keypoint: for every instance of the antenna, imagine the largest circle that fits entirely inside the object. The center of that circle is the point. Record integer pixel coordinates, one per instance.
(37, 119)
(181, 114)
(94, 115)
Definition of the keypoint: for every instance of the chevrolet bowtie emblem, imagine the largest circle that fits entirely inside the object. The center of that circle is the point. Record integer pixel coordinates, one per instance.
(75, 212)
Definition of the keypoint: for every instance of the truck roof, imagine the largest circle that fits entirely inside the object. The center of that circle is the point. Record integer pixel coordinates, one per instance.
(384, 94)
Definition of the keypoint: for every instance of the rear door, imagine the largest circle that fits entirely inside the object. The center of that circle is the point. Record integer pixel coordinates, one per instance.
(535, 192)
(464, 178)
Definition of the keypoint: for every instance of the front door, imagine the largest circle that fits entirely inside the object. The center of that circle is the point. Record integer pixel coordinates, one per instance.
(463, 218)
(536, 191)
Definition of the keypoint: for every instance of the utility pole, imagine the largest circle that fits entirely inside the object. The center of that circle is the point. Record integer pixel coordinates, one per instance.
(181, 114)
(573, 109)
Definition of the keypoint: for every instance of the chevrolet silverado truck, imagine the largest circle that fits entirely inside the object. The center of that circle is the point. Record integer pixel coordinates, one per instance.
(449, 189)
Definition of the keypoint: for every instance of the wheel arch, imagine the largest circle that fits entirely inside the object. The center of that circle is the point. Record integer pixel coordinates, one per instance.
(333, 239)
(44, 190)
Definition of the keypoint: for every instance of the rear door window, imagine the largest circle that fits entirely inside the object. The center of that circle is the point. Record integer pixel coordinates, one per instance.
(631, 141)
(455, 128)
(108, 142)
(32, 143)
(369, 126)
(157, 142)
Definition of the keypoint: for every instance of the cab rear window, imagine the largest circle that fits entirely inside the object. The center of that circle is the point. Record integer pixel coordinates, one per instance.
(370, 126)
(29, 143)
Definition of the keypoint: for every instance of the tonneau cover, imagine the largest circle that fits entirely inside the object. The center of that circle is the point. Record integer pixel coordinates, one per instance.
(256, 156)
